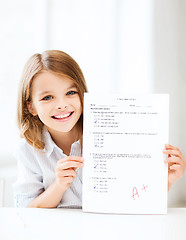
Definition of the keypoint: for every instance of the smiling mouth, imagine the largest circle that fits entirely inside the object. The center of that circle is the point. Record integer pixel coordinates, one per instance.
(61, 117)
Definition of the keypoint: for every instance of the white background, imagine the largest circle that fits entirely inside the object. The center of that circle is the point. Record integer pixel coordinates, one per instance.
(121, 46)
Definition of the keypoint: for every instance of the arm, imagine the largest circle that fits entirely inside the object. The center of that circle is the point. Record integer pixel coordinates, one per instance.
(65, 174)
(176, 164)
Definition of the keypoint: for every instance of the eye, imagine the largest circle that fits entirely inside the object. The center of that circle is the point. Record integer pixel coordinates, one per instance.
(71, 92)
(47, 98)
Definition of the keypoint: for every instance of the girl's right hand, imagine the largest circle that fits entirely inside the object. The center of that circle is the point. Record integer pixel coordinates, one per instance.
(66, 170)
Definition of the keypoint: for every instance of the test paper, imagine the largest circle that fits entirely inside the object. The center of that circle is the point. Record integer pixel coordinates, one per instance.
(123, 140)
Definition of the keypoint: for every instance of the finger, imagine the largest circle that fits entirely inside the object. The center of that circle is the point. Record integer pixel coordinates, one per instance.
(174, 160)
(71, 158)
(68, 179)
(66, 173)
(178, 169)
(173, 152)
(69, 164)
(169, 146)
(174, 167)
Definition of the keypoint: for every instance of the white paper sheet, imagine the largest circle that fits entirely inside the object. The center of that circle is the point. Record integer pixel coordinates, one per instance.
(123, 140)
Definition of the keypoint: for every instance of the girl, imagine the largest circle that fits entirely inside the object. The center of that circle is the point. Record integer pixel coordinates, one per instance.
(50, 118)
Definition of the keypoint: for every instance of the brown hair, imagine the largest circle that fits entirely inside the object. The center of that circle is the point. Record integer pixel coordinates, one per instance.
(56, 62)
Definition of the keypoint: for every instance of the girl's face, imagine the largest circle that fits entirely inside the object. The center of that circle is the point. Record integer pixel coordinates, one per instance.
(56, 101)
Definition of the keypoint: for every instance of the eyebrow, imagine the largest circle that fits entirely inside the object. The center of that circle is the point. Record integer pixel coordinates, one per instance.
(43, 93)
(73, 85)
(49, 92)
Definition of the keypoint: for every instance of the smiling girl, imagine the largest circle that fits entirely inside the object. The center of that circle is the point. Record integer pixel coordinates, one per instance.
(50, 119)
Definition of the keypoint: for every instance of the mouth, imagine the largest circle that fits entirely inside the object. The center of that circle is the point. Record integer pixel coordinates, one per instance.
(63, 116)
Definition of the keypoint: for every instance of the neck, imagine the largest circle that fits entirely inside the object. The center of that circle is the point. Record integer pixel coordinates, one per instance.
(64, 140)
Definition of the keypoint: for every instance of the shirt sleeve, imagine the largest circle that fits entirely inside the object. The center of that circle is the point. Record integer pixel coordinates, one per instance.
(29, 182)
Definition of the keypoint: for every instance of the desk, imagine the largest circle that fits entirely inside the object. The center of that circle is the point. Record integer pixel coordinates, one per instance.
(67, 224)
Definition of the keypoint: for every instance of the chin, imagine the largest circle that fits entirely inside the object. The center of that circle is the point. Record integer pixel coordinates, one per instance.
(64, 129)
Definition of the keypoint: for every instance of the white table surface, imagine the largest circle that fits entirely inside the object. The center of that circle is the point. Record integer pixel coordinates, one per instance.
(41, 224)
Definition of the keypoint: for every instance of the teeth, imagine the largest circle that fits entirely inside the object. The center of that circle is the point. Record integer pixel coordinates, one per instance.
(63, 116)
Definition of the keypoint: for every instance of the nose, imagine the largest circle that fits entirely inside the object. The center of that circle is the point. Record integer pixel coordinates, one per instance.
(61, 104)
(61, 108)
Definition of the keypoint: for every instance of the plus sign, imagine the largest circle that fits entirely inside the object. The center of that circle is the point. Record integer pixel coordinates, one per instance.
(144, 187)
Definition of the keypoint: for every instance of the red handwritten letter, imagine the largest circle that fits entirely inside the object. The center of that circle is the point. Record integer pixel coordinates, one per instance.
(135, 192)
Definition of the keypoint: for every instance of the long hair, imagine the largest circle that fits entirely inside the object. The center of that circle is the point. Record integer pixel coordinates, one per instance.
(54, 61)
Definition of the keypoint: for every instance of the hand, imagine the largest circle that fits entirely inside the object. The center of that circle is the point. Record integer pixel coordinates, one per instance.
(66, 170)
(176, 164)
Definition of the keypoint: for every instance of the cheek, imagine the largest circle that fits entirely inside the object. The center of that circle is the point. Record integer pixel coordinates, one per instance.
(42, 110)
(77, 105)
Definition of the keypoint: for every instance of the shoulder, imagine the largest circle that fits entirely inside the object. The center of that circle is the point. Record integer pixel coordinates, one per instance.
(23, 148)
(25, 154)
(28, 158)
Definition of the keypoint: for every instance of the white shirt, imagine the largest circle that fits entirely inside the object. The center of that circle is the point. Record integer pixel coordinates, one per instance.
(36, 172)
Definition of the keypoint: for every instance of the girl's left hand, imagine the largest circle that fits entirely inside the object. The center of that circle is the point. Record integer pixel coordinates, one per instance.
(176, 164)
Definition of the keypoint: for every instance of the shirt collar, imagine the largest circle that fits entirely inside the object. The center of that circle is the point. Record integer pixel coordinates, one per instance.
(50, 144)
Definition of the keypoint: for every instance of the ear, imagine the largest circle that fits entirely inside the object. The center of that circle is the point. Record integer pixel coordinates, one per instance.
(31, 108)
